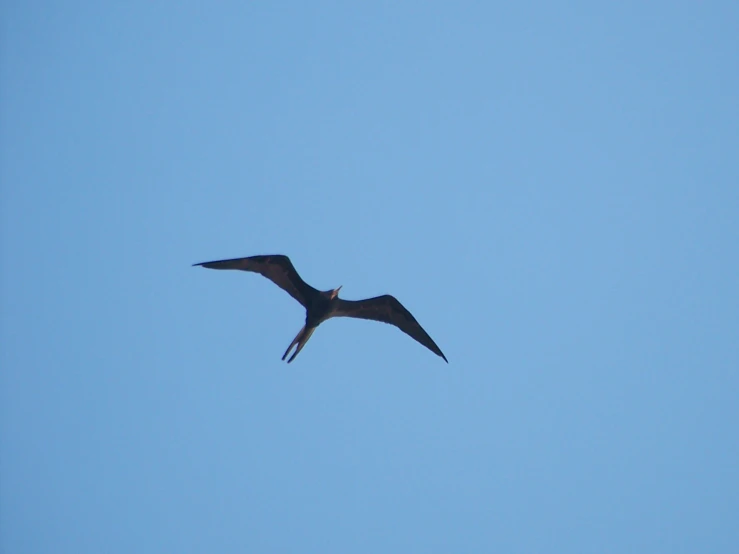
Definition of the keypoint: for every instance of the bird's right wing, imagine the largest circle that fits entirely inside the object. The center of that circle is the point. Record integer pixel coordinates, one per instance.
(277, 268)
(387, 309)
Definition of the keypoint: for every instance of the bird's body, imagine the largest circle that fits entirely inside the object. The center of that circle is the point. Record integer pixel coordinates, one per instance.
(322, 305)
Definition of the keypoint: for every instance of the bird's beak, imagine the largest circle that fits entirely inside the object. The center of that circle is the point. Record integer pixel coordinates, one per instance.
(336, 291)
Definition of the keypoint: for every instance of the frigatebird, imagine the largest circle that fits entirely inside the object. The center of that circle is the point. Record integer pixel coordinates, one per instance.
(321, 305)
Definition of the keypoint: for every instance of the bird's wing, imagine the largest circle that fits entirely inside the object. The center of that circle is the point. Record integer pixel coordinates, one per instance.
(387, 309)
(277, 268)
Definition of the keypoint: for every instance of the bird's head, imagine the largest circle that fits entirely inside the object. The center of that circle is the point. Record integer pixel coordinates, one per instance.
(335, 292)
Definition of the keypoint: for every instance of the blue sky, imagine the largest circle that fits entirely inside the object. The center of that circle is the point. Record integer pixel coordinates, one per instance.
(551, 189)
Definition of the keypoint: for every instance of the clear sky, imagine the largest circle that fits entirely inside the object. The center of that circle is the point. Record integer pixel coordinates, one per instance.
(551, 188)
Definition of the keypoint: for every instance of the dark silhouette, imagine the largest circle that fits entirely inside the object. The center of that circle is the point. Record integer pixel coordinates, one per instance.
(322, 305)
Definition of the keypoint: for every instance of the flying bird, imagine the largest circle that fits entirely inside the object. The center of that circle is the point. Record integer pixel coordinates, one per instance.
(321, 305)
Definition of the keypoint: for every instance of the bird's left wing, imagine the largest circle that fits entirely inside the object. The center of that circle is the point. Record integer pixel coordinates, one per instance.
(387, 309)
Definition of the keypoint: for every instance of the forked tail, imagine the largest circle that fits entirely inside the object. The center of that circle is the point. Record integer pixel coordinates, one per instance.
(300, 339)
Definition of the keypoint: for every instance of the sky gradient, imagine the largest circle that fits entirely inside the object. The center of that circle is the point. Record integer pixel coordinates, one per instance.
(551, 189)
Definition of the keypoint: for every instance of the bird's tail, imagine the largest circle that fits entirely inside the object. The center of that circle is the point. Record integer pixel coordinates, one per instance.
(300, 339)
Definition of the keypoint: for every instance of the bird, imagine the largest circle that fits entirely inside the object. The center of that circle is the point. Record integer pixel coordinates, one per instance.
(322, 305)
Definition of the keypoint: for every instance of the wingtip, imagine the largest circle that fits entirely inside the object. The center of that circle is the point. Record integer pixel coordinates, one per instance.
(439, 353)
